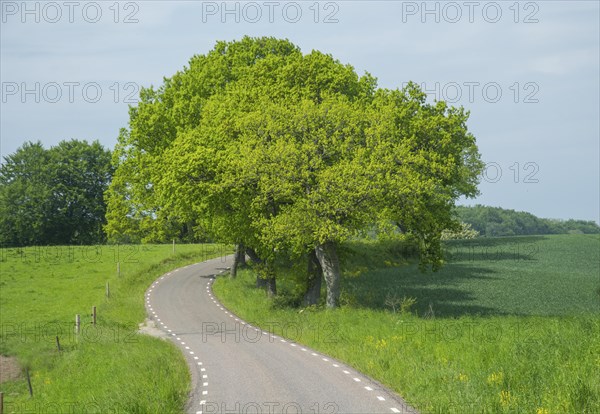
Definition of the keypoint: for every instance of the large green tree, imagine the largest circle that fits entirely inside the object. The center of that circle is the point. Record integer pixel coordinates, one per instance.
(173, 110)
(268, 147)
(54, 196)
(291, 154)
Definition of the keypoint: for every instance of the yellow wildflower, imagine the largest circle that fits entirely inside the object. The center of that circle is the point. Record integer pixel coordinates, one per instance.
(495, 378)
(381, 344)
(505, 398)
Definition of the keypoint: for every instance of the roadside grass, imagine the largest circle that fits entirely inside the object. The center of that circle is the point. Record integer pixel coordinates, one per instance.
(106, 368)
(508, 325)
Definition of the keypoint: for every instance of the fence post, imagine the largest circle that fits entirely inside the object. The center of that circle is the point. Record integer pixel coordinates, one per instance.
(29, 382)
(94, 315)
(77, 324)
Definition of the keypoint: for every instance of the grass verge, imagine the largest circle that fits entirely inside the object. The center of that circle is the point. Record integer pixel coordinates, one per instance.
(498, 330)
(106, 368)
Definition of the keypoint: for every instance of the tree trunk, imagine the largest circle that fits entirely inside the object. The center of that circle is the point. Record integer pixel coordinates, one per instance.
(239, 251)
(313, 283)
(260, 282)
(327, 255)
(253, 256)
(234, 265)
(242, 256)
(271, 286)
(269, 275)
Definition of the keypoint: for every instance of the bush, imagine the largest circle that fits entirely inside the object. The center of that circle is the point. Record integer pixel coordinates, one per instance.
(466, 232)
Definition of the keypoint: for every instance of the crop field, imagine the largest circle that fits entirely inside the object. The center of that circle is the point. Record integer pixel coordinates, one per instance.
(507, 325)
(108, 367)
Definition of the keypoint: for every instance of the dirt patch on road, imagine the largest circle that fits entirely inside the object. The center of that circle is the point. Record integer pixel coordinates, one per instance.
(9, 369)
(148, 327)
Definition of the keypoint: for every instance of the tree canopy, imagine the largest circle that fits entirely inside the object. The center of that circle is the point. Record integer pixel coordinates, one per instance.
(54, 196)
(289, 154)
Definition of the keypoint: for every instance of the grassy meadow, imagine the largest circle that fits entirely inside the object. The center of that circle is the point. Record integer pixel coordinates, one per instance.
(509, 325)
(106, 368)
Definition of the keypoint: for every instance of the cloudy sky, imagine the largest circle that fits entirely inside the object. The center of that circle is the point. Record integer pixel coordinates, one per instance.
(527, 71)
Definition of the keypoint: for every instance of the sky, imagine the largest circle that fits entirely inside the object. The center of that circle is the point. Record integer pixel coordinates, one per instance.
(527, 71)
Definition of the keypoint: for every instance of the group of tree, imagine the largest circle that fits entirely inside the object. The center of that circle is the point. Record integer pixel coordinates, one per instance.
(496, 221)
(54, 196)
(286, 155)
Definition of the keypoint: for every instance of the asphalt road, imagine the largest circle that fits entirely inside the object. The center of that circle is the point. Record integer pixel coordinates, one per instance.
(238, 368)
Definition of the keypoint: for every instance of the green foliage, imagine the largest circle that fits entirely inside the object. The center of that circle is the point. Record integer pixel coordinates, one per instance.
(496, 221)
(256, 143)
(536, 349)
(399, 303)
(147, 157)
(54, 196)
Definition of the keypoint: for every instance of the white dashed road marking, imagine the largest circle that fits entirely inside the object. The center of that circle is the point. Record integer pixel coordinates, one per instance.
(203, 370)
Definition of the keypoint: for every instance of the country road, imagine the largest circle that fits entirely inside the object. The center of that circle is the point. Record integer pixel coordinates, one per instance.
(237, 368)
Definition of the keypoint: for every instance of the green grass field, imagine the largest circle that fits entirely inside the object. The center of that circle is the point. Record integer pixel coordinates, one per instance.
(508, 325)
(107, 368)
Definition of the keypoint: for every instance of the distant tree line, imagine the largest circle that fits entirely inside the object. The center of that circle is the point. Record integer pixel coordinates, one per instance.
(496, 221)
(54, 196)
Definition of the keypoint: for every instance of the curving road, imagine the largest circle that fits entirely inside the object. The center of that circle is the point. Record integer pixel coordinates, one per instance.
(237, 368)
